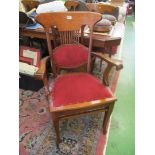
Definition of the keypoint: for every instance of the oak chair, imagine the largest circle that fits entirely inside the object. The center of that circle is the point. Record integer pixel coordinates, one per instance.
(30, 4)
(71, 4)
(75, 94)
(75, 5)
(104, 9)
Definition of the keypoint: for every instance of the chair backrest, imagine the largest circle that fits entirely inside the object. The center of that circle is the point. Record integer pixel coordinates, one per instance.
(118, 1)
(75, 5)
(70, 27)
(103, 8)
(71, 4)
(30, 4)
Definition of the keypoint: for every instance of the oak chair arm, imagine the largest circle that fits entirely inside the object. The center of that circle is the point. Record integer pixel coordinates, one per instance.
(40, 74)
(111, 63)
(118, 64)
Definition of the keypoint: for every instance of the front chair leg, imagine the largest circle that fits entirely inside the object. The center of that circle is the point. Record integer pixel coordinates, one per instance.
(107, 117)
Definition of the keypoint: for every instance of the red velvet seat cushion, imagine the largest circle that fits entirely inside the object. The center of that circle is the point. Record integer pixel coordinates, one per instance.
(77, 88)
(70, 55)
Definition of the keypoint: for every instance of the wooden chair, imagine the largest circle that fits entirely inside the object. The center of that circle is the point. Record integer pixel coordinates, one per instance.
(75, 5)
(71, 4)
(104, 8)
(75, 94)
(30, 4)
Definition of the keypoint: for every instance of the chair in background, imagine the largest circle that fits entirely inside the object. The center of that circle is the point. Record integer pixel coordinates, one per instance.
(30, 4)
(117, 1)
(105, 9)
(75, 5)
(109, 18)
(75, 94)
(71, 5)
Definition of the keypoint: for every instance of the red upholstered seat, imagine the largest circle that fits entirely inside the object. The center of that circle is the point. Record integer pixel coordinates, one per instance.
(70, 55)
(76, 88)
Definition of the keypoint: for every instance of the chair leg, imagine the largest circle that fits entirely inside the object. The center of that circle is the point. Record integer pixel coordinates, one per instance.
(107, 117)
(106, 74)
(45, 81)
(93, 63)
(100, 67)
(56, 126)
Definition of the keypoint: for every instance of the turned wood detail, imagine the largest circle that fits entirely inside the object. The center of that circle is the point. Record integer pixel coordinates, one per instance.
(69, 37)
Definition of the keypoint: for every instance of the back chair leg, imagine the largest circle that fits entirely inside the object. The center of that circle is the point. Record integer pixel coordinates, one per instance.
(93, 64)
(100, 67)
(45, 81)
(56, 127)
(107, 117)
